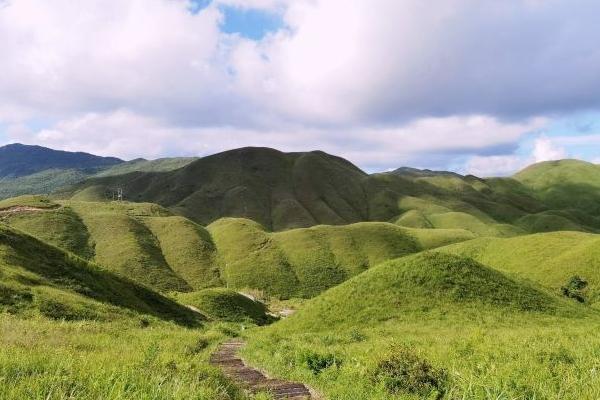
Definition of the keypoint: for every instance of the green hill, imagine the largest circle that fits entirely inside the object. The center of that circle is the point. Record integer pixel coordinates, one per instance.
(278, 190)
(150, 245)
(303, 262)
(38, 278)
(415, 286)
(565, 184)
(550, 259)
(226, 305)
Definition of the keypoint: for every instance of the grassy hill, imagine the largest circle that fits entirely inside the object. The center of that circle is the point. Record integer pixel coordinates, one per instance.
(550, 259)
(415, 287)
(149, 244)
(435, 325)
(226, 305)
(278, 190)
(38, 278)
(565, 184)
(294, 190)
(304, 262)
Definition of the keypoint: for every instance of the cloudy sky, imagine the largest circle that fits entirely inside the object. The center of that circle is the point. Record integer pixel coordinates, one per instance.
(475, 86)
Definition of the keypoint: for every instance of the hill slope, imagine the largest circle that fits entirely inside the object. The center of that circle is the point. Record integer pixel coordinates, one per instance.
(37, 277)
(416, 285)
(565, 184)
(278, 190)
(149, 244)
(19, 160)
(289, 190)
(550, 259)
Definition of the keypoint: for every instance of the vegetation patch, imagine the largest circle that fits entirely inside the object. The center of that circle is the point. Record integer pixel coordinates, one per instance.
(403, 370)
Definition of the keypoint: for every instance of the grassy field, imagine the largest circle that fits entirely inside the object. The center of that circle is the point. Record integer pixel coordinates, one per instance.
(436, 326)
(48, 360)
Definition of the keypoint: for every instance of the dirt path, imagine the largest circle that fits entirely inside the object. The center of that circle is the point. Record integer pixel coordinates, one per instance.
(227, 359)
(20, 209)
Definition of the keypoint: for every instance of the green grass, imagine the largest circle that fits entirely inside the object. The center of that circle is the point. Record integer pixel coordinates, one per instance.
(303, 262)
(36, 201)
(226, 305)
(37, 278)
(549, 259)
(61, 227)
(493, 336)
(188, 249)
(42, 359)
(123, 244)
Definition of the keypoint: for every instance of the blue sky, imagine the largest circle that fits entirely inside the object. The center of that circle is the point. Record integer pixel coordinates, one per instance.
(476, 86)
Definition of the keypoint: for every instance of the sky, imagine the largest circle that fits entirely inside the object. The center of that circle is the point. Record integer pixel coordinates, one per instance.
(473, 86)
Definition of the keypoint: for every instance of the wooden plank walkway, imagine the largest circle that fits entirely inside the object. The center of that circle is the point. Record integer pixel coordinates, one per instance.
(226, 357)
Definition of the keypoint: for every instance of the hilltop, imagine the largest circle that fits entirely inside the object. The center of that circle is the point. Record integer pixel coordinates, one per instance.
(295, 190)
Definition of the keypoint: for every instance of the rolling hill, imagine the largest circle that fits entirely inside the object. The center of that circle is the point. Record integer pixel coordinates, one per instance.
(147, 243)
(38, 278)
(549, 259)
(294, 190)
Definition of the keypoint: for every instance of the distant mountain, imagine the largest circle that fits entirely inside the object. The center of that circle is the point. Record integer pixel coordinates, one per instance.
(18, 160)
(38, 170)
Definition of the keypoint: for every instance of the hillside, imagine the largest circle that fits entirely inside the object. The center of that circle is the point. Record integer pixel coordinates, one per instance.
(419, 286)
(550, 259)
(149, 244)
(433, 326)
(278, 190)
(291, 190)
(38, 278)
(39, 170)
(565, 184)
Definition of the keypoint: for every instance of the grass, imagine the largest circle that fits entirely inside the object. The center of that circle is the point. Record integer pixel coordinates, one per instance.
(43, 359)
(549, 259)
(61, 227)
(303, 262)
(226, 305)
(37, 278)
(37, 201)
(436, 318)
(188, 249)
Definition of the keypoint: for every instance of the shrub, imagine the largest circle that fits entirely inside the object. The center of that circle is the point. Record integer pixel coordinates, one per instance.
(201, 344)
(13, 300)
(404, 371)
(318, 362)
(575, 288)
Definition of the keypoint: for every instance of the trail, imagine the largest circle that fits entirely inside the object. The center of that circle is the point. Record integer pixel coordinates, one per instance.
(20, 209)
(227, 359)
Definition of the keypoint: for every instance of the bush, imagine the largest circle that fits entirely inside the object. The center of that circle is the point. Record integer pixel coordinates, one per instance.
(575, 288)
(404, 371)
(201, 344)
(318, 362)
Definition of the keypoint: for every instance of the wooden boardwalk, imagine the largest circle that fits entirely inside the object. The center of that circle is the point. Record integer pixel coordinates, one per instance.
(226, 357)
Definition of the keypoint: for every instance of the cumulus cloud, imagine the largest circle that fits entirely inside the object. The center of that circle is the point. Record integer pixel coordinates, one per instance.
(545, 150)
(383, 82)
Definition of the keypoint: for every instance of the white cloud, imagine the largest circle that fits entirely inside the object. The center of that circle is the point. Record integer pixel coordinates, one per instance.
(128, 135)
(494, 165)
(545, 150)
(384, 82)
